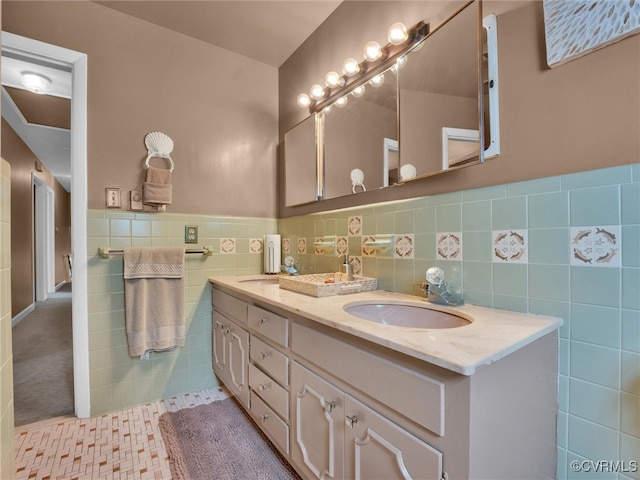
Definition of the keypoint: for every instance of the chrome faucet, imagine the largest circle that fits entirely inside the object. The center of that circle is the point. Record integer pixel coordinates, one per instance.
(290, 266)
(436, 289)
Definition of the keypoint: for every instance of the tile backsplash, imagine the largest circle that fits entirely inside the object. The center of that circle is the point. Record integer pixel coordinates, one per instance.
(567, 246)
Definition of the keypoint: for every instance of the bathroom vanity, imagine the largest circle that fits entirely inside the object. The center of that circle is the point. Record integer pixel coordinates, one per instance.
(344, 397)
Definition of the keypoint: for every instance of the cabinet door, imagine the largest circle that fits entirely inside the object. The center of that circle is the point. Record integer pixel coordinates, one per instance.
(318, 424)
(238, 362)
(378, 448)
(219, 345)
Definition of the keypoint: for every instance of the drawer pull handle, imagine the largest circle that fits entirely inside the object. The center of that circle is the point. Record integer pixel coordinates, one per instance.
(263, 321)
(264, 386)
(264, 355)
(350, 421)
(264, 417)
(329, 406)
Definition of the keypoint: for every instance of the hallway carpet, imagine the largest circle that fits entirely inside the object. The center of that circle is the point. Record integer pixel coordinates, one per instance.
(43, 361)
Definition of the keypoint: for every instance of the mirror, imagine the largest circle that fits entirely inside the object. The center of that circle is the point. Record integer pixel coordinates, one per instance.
(438, 93)
(361, 135)
(300, 158)
(428, 117)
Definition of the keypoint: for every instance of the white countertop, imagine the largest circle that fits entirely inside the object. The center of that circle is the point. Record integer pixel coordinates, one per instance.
(492, 335)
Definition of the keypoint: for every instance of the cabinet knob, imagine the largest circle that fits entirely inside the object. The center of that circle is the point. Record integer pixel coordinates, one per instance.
(329, 406)
(264, 355)
(264, 386)
(263, 321)
(350, 421)
(264, 417)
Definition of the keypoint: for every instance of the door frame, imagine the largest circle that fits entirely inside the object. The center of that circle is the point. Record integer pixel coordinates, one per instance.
(80, 311)
(43, 239)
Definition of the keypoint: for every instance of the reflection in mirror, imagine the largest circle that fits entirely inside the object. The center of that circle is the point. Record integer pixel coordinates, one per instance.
(439, 89)
(300, 158)
(354, 137)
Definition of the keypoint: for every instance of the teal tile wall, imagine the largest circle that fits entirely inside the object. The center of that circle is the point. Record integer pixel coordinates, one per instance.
(119, 381)
(599, 347)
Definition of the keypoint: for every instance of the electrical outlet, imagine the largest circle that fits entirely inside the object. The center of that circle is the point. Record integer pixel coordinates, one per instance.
(112, 197)
(191, 234)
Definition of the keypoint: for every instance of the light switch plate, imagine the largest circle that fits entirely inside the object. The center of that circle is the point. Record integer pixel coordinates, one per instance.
(112, 197)
(191, 234)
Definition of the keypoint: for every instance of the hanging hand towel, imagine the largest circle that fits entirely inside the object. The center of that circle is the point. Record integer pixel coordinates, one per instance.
(154, 298)
(156, 190)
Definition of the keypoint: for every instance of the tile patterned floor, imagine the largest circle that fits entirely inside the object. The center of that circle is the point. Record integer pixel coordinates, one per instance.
(121, 445)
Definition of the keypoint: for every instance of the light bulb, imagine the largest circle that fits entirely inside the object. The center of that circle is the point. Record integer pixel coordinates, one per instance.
(401, 62)
(397, 34)
(372, 51)
(317, 92)
(327, 109)
(333, 79)
(378, 80)
(350, 67)
(304, 100)
(341, 102)
(358, 91)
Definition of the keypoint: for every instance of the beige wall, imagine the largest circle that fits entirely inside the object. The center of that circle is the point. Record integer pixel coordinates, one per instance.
(219, 108)
(23, 163)
(580, 116)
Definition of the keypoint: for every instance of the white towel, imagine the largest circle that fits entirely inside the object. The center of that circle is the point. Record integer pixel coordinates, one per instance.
(154, 298)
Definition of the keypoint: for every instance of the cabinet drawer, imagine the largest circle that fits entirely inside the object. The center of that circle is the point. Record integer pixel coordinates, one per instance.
(272, 424)
(269, 324)
(270, 360)
(233, 307)
(416, 396)
(272, 393)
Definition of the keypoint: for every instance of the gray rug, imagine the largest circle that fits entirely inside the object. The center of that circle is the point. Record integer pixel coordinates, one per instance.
(219, 441)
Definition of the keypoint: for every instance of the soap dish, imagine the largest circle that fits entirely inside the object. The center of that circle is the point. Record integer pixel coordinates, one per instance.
(315, 286)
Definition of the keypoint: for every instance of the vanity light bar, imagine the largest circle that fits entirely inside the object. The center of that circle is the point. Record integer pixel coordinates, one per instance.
(358, 74)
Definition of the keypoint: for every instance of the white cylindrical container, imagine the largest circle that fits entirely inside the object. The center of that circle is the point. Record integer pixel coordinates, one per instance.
(271, 254)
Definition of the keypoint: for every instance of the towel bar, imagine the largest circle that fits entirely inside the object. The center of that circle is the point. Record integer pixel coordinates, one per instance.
(107, 252)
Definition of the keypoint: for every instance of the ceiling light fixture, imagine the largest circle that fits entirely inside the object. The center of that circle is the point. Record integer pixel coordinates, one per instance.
(35, 82)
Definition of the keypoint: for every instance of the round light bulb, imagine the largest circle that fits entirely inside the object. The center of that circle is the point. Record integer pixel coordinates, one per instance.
(350, 67)
(378, 80)
(372, 51)
(317, 92)
(341, 102)
(397, 34)
(327, 109)
(304, 100)
(401, 62)
(333, 79)
(358, 91)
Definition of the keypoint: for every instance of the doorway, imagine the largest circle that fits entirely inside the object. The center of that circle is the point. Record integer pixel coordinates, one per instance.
(78, 188)
(43, 239)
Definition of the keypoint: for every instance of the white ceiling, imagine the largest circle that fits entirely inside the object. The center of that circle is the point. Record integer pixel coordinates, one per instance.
(267, 31)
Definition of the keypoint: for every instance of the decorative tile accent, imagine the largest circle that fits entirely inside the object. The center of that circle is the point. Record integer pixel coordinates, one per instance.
(573, 29)
(368, 251)
(342, 245)
(449, 246)
(596, 246)
(255, 245)
(510, 246)
(227, 245)
(319, 250)
(301, 245)
(286, 245)
(123, 444)
(404, 246)
(355, 225)
(356, 265)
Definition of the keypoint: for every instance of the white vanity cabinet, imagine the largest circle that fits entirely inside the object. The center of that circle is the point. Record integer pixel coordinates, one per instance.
(231, 355)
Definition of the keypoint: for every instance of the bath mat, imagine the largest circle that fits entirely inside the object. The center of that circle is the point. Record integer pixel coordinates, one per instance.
(220, 441)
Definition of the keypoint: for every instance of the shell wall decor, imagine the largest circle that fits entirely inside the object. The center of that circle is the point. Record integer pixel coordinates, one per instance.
(577, 27)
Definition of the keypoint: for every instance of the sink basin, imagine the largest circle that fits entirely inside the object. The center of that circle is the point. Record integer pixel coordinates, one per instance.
(405, 315)
(261, 281)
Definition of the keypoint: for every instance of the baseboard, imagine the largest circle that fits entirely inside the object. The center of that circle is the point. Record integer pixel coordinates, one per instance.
(15, 320)
(60, 285)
